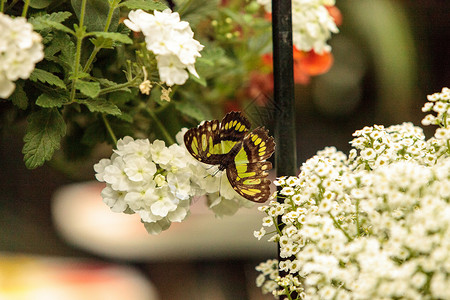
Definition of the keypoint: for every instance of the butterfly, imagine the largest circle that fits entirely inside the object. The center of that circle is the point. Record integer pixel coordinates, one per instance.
(234, 148)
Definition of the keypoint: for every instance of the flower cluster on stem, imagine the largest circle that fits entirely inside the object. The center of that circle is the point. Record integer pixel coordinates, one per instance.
(171, 40)
(373, 225)
(159, 183)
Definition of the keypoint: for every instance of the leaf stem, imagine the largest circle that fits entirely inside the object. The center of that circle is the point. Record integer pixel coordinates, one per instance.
(112, 8)
(109, 129)
(25, 8)
(340, 227)
(166, 134)
(80, 33)
(117, 87)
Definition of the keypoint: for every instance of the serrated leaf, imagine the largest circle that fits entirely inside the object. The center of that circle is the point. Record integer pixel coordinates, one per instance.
(90, 89)
(19, 97)
(43, 136)
(114, 36)
(57, 26)
(102, 106)
(190, 109)
(47, 77)
(144, 5)
(49, 101)
(58, 17)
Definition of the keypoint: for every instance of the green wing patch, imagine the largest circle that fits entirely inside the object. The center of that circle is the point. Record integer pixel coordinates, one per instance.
(242, 154)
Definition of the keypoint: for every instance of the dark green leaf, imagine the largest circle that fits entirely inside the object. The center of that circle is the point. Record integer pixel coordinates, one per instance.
(96, 15)
(102, 106)
(47, 77)
(48, 101)
(103, 43)
(43, 136)
(114, 36)
(190, 109)
(90, 89)
(144, 5)
(19, 97)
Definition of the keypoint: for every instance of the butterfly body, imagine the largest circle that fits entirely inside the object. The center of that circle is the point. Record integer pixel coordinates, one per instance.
(231, 146)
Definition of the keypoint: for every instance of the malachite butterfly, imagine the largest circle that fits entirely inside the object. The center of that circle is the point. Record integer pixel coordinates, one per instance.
(242, 153)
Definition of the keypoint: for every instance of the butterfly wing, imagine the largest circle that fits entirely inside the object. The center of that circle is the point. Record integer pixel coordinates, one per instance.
(212, 142)
(247, 174)
(203, 142)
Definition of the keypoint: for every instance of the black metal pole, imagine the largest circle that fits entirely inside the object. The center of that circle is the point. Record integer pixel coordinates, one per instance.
(283, 76)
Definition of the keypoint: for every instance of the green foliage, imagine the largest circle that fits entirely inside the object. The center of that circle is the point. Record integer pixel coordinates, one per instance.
(144, 5)
(49, 101)
(47, 77)
(43, 136)
(86, 90)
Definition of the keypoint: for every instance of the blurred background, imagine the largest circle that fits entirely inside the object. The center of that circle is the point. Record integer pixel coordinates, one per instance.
(387, 57)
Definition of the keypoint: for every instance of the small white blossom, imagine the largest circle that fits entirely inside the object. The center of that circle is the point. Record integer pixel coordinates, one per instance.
(20, 49)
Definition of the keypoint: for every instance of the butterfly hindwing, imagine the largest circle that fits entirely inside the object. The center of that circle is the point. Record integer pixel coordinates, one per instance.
(248, 173)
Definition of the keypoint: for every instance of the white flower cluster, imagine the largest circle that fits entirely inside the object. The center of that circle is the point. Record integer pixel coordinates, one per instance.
(159, 183)
(20, 49)
(372, 226)
(312, 24)
(171, 40)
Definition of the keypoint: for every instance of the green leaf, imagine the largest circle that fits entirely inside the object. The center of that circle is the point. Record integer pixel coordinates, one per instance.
(47, 77)
(19, 97)
(114, 36)
(102, 43)
(102, 106)
(144, 5)
(39, 4)
(57, 26)
(90, 89)
(189, 108)
(59, 17)
(43, 136)
(96, 14)
(48, 101)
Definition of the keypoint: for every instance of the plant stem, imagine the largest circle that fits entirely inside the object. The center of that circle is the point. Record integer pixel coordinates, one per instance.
(25, 8)
(109, 129)
(2, 6)
(94, 52)
(166, 134)
(79, 35)
(357, 218)
(340, 227)
(116, 87)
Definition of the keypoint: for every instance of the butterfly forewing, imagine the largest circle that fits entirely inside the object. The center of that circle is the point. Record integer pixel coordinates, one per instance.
(203, 143)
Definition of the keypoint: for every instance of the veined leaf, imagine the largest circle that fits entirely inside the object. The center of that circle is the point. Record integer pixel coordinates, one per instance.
(47, 77)
(19, 97)
(88, 88)
(102, 106)
(43, 136)
(144, 5)
(57, 26)
(114, 36)
(39, 4)
(58, 17)
(48, 101)
(189, 108)
(96, 14)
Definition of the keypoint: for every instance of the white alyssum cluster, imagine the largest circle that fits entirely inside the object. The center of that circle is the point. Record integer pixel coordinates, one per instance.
(171, 40)
(312, 24)
(374, 225)
(159, 183)
(20, 49)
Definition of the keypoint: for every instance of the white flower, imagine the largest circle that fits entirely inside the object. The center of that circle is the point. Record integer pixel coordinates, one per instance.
(171, 40)
(20, 49)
